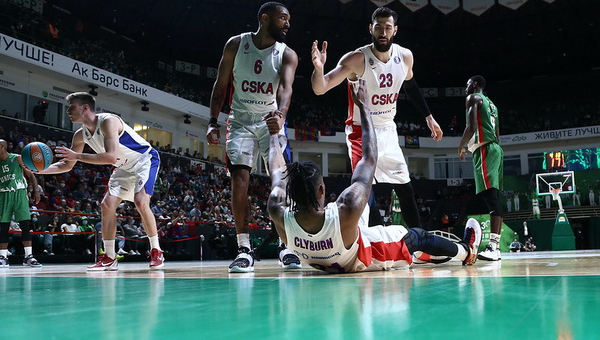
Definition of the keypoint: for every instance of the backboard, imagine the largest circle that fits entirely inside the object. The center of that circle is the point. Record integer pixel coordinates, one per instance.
(564, 180)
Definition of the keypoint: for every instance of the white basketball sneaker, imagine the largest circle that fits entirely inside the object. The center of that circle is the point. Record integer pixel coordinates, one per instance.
(490, 253)
(472, 239)
(244, 262)
(3, 262)
(288, 260)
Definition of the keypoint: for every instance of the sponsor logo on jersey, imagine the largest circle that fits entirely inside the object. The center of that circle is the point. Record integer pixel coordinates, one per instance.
(397, 60)
(255, 102)
(384, 99)
(371, 62)
(253, 86)
(275, 52)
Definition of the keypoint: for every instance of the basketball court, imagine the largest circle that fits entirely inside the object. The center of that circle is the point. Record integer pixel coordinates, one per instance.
(542, 295)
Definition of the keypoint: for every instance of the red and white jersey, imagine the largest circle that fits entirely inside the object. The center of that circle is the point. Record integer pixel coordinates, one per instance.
(256, 75)
(376, 248)
(383, 82)
(133, 150)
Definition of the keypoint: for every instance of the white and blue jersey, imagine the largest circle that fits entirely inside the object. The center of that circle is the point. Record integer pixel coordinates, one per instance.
(137, 162)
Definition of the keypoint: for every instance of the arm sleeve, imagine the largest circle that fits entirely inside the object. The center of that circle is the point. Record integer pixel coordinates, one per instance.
(414, 93)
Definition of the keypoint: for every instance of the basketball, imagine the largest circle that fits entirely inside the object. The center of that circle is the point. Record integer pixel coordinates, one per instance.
(37, 156)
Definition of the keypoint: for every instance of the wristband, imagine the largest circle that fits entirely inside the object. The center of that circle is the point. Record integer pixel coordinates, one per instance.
(213, 121)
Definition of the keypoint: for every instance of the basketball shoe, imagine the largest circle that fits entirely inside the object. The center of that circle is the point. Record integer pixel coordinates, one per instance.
(244, 262)
(3, 262)
(31, 261)
(472, 239)
(491, 252)
(420, 257)
(287, 259)
(104, 263)
(157, 260)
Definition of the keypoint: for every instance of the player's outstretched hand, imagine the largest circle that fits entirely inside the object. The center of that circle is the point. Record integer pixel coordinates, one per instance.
(274, 121)
(65, 153)
(318, 57)
(461, 153)
(436, 130)
(213, 135)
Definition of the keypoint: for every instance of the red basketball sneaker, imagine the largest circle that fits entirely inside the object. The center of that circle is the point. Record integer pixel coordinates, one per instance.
(156, 259)
(104, 263)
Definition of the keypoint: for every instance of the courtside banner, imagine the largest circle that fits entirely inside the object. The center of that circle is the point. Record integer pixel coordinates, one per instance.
(35, 55)
(506, 234)
(552, 135)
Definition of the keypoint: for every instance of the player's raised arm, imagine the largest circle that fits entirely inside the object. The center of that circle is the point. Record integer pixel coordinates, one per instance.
(349, 66)
(276, 203)
(353, 200)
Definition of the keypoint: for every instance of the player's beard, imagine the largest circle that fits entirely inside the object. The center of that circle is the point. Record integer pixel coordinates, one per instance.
(277, 34)
(382, 48)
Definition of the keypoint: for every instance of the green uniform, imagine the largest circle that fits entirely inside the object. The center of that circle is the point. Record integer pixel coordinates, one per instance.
(13, 191)
(488, 156)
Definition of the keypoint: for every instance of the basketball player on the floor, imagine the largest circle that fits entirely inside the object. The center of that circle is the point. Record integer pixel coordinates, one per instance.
(261, 68)
(481, 137)
(136, 163)
(13, 200)
(384, 66)
(329, 237)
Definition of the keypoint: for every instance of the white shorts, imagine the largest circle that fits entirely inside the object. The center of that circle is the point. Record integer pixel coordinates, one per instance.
(125, 184)
(391, 165)
(247, 138)
(386, 246)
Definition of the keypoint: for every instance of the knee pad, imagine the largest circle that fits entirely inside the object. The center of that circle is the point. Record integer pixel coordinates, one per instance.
(4, 232)
(492, 199)
(25, 230)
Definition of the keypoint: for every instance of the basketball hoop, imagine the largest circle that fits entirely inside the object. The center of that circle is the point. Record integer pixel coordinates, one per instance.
(555, 193)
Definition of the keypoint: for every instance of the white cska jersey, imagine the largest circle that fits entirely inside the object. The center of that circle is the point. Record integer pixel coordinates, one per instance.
(256, 75)
(376, 248)
(133, 149)
(383, 83)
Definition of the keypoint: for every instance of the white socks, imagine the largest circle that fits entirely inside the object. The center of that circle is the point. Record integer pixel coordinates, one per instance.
(154, 242)
(109, 248)
(27, 251)
(494, 240)
(243, 240)
(462, 252)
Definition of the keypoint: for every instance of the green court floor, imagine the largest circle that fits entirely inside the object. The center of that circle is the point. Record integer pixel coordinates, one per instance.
(312, 308)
